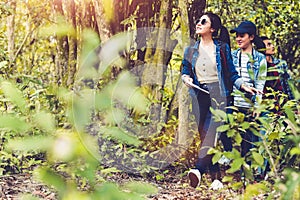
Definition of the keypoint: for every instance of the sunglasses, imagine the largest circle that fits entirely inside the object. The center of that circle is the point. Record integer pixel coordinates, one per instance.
(202, 22)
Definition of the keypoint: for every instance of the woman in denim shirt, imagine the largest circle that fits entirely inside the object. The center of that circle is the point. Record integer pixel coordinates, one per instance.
(252, 67)
(210, 74)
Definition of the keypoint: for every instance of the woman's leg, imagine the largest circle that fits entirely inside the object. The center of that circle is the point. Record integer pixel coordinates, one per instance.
(217, 102)
(208, 139)
(200, 109)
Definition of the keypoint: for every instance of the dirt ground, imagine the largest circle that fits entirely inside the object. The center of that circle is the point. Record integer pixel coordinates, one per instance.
(170, 188)
(173, 186)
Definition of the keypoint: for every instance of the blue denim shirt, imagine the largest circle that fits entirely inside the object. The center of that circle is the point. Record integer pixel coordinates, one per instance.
(257, 64)
(189, 61)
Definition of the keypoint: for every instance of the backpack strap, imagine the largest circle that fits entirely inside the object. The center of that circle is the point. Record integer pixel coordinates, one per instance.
(223, 57)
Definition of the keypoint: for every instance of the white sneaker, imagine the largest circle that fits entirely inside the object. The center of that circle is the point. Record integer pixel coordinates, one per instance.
(216, 185)
(195, 177)
(224, 160)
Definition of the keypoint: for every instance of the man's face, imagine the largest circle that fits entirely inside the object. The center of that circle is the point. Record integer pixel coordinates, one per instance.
(270, 49)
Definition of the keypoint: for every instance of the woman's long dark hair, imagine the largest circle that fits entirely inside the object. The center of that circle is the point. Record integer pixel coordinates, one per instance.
(221, 31)
(259, 44)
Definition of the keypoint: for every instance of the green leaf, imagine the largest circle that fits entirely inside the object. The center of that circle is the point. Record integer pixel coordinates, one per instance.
(235, 165)
(223, 128)
(273, 136)
(51, 178)
(90, 41)
(114, 116)
(227, 179)
(159, 177)
(219, 113)
(3, 64)
(253, 190)
(137, 101)
(126, 92)
(103, 100)
(110, 191)
(141, 188)
(38, 143)
(245, 125)
(216, 157)
(45, 121)
(258, 158)
(237, 185)
(290, 187)
(111, 49)
(109, 170)
(238, 138)
(81, 109)
(60, 29)
(291, 115)
(295, 151)
(14, 123)
(14, 95)
(231, 133)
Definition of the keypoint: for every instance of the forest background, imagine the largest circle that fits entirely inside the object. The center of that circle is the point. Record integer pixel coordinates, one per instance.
(90, 88)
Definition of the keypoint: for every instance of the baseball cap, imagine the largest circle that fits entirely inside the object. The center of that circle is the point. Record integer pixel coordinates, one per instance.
(245, 27)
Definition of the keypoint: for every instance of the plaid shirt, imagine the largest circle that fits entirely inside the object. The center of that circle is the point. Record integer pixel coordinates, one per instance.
(277, 71)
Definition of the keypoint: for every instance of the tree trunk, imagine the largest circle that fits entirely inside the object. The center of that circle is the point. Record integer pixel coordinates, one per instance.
(66, 56)
(104, 29)
(60, 55)
(157, 58)
(184, 134)
(144, 22)
(72, 41)
(11, 35)
(183, 97)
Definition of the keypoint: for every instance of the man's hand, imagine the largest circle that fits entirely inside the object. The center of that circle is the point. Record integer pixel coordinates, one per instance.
(187, 80)
(250, 90)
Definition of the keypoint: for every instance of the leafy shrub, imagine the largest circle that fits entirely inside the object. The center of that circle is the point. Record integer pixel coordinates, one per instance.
(277, 127)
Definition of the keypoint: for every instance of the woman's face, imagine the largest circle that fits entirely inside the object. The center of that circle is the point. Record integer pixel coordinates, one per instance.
(244, 40)
(203, 26)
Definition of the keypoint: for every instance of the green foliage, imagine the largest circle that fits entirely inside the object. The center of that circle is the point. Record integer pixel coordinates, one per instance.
(43, 119)
(278, 132)
(65, 146)
(290, 185)
(254, 190)
(46, 127)
(14, 95)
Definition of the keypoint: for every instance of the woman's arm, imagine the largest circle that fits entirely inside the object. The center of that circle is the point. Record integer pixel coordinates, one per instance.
(187, 67)
(236, 79)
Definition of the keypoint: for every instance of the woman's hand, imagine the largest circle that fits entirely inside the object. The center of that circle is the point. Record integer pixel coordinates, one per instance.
(250, 90)
(187, 80)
